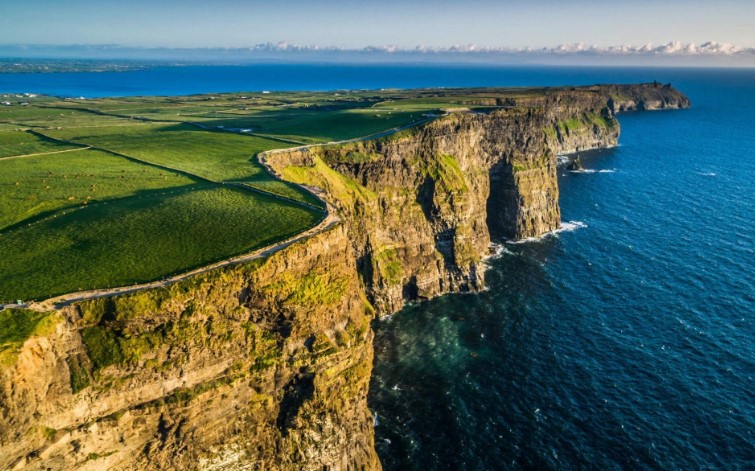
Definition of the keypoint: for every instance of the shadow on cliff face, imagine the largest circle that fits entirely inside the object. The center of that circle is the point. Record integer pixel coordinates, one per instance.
(299, 390)
(503, 202)
(444, 238)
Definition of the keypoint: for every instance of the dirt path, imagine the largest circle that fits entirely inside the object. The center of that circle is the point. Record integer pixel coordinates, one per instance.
(44, 153)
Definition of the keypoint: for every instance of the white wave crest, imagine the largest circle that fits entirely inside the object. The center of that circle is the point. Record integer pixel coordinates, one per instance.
(567, 226)
(592, 170)
(498, 251)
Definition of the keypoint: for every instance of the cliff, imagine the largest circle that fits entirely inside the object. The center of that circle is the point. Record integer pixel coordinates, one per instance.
(259, 366)
(422, 203)
(647, 96)
(266, 365)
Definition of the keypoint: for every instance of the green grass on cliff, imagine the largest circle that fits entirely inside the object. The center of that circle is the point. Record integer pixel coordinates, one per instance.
(313, 289)
(582, 122)
(445, 171)
(344, 188)
(389, 265)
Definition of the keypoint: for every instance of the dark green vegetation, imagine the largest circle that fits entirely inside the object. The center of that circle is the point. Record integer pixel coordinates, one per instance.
(109, 192)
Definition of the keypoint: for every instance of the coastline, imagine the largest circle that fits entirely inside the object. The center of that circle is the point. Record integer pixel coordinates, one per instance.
(290, 337)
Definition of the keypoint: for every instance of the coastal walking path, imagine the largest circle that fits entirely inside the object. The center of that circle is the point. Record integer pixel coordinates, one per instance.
(330, 219)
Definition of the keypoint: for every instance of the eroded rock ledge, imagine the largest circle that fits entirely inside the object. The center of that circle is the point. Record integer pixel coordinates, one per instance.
(266, 365)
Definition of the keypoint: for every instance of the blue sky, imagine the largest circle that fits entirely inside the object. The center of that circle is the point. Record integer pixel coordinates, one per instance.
(356, 24)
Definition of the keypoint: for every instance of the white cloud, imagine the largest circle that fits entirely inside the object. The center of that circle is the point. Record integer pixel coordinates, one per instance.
(675, 48)
(670, 48)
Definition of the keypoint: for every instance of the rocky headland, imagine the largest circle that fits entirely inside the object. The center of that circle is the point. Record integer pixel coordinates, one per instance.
(266, 365)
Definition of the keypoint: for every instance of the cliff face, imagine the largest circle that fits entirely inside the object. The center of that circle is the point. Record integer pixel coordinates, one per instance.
(421, 204)
(266, 365)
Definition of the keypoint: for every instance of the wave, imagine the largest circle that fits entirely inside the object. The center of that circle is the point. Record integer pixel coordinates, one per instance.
(591, 170)
(707, 174)
(497, 251)
(567, 226)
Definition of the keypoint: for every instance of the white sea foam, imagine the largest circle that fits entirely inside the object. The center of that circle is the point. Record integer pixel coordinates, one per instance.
(498, 251)
(707, 174)
(592, 170)
(567, 226)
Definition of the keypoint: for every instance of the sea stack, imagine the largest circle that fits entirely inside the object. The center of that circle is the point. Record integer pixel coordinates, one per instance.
(576, 164)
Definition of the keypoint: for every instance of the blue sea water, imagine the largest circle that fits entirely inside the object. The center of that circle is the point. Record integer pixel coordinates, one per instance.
(627, 342)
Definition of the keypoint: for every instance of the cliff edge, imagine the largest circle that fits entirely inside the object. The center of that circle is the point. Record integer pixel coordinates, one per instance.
(266, 365)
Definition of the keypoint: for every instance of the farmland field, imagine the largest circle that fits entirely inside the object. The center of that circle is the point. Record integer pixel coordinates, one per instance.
(14, 144)
(39, 185)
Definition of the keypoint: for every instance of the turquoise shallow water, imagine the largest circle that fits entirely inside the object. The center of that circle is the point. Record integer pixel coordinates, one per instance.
(625, 343)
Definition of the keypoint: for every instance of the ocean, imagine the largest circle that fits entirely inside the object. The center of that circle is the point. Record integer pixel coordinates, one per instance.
(625, 341)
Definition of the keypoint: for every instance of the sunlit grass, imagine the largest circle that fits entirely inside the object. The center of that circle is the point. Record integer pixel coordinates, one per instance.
(141, 239)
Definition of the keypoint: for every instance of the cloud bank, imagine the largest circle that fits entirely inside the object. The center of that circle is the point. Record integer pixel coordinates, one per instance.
(710, 53)
(672, 48)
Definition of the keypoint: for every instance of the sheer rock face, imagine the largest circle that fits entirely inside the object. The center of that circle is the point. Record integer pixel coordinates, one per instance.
(422, 204)
(267, 365)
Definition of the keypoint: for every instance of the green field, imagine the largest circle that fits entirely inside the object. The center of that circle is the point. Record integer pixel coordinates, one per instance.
(138, 239)
(43, 185)
(211, 155)
(109, 192)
